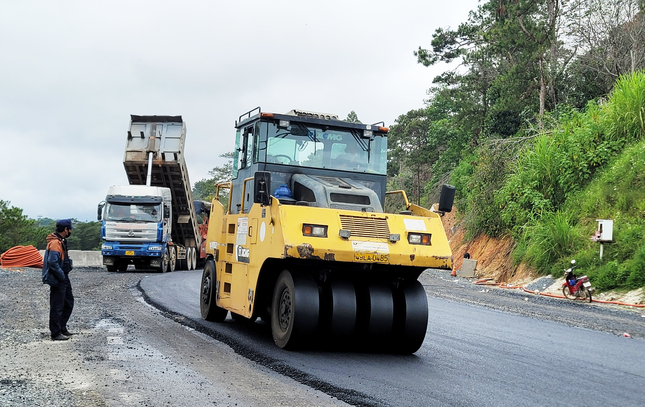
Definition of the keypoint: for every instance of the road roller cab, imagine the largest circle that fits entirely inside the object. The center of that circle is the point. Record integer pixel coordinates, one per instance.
(303, 236)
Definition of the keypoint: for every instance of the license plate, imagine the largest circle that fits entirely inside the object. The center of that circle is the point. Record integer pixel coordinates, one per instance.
(372, 257)
(129, 253)
(587, 284)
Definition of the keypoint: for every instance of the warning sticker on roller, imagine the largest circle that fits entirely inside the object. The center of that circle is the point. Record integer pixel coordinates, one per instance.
(414, 224)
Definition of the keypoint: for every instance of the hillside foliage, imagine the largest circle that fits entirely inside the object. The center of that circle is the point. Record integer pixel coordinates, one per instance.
(547, 99)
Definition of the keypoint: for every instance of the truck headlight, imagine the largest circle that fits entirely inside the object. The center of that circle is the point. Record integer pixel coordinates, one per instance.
(419, 238)
(314, 230)
(106, 247)
(154, 248)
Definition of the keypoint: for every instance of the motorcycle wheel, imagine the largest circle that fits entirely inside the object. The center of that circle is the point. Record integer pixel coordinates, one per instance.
(586, 295)
(567, 294)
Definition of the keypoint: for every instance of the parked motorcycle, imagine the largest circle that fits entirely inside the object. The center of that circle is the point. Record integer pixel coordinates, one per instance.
(576, 287)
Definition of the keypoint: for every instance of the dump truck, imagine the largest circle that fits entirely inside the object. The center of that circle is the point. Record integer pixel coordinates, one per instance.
(301, 239)
(152, 222)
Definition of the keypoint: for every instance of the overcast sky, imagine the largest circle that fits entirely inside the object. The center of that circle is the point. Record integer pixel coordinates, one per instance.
(72, 72)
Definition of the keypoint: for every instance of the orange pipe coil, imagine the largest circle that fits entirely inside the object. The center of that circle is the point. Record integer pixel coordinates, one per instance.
(21, 256)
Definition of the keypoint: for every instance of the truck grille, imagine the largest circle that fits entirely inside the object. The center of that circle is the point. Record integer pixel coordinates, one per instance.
(366, 227)
(130, 232)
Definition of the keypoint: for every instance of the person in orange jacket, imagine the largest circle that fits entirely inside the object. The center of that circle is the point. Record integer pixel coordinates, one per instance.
(56, 267)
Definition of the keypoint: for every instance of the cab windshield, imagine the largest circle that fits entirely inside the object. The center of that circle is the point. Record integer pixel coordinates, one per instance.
(133, 213)
(317, 147)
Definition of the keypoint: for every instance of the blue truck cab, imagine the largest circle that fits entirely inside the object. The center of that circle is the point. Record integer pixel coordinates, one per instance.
(136, 227)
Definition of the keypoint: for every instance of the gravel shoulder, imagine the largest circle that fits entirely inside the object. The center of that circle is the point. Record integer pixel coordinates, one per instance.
(124, 352)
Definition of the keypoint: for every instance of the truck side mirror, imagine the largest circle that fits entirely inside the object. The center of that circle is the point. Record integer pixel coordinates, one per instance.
(99, 211)
(447, 198)
(261, 185)
(166, 212)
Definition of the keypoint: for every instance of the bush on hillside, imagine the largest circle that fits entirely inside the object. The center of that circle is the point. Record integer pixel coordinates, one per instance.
(565, 178)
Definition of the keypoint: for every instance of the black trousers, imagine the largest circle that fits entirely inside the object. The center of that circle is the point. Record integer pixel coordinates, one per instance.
(61, 304)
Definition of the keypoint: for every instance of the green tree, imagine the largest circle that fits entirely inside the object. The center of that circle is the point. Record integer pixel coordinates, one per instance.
(408, 140)
(88, 235)
(205, 189)
(17, 230)
(352, 117)
(85, 236)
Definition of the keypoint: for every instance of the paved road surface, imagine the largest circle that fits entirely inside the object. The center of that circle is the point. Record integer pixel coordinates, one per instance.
(472, 356)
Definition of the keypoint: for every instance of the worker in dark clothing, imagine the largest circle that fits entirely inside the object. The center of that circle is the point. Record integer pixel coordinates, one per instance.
(56, 267)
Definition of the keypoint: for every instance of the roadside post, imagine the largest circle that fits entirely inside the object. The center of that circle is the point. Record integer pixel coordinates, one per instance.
(604, 233)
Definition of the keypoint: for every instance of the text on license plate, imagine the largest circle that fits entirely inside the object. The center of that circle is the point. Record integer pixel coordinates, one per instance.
(587, 284)
(373, 257)
(129, 253)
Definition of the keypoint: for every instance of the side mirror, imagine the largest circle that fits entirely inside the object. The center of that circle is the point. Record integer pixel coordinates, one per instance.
(261, 185)
(166, 212)
(447, 198)
(99, 211)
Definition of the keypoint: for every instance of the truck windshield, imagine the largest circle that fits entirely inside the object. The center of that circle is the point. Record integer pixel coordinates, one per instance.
(133, 213)
(317, 147)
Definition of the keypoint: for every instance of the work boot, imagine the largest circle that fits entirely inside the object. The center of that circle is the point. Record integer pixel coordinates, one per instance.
(60, 337)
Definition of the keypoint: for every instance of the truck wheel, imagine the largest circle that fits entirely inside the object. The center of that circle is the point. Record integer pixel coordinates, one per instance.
(172, 262)
(164, 261)
(294, 309)
(193, 258)
(122, 266)
(411, 318)
(111, 267)
(186, 262)
(207, 300)
(181, 264)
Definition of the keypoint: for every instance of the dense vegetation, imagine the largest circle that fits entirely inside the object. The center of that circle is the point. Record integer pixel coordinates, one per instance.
(17, 229)
(538, 128)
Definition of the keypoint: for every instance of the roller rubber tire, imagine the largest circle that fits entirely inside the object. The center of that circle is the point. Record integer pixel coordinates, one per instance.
(343, 308)
(381, 306)
(294, 310)
(415, 318)
(207, 296)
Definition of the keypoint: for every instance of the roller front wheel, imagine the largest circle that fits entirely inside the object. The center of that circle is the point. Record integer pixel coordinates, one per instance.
(208, 295)
(294, 309)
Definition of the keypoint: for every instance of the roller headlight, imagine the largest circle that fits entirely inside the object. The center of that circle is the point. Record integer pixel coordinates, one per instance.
(314, 230)
(419, 238)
